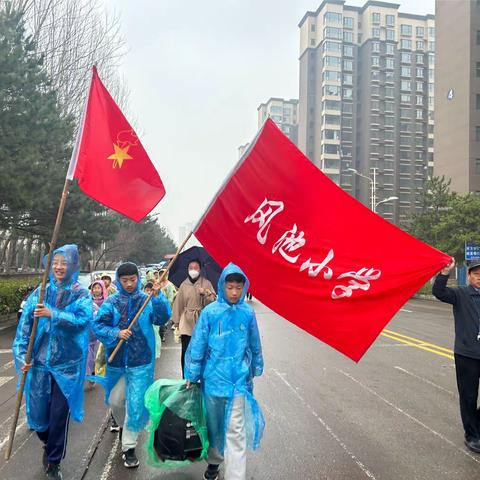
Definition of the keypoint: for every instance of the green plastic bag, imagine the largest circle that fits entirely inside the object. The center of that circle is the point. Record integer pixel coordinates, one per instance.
(187, 404)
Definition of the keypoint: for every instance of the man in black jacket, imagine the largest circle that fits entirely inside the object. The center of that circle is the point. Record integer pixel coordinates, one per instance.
(466, 312)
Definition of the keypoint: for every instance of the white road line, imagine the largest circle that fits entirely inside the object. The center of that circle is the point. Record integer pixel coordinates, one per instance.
(171, 348)
(7, 366)
(20, 427)
(405, 310)
(324, 424)
(111, 456)
(426, 381)
(5, 350)
(4, 380)
(411, 417)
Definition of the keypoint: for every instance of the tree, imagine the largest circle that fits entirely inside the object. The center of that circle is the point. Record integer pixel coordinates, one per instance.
(448, 220)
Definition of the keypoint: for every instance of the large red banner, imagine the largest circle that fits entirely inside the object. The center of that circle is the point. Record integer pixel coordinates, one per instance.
(313, 253)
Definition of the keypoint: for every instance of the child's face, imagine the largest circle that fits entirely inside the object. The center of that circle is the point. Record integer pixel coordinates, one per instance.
(129, 282)
(233, 291)
(59, 267)
(107, 281)
(148, 290)
(97, 290)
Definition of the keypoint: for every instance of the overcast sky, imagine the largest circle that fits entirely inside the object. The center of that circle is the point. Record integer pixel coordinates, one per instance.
(197, 71)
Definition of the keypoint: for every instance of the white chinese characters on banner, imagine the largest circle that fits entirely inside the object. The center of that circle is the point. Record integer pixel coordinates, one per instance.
(263, 216)
(292, 240)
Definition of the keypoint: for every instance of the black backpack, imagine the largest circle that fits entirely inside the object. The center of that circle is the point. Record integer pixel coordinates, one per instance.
(176, 439)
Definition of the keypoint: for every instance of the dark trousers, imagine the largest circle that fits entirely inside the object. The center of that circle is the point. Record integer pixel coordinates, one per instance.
(468, 375)
(185, 342)
(55, 437)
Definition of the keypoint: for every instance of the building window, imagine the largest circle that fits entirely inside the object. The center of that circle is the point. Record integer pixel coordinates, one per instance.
(477, 134)
(406, 30)
(419, 86)
(420, 32)
(348, 65)
(406, 57)
(389, 92)
(389, 107)
(390, 20)
(332, 61)
(376, 47)
(419, 114)
(405, 127)
(375, 105)
(375, 32)
(405, 44)
(389, 121)
(431, 32)
(376, 61)
(376, 18)
(431, 59)
(348, 37)
(347, 122)
(375, 75)
(420, 45)
(419, 58)
(347, 51)
(389, 135)
(375, 90)
(332, 17)
(419, 72)
(431, 46)
(332, 32)
(419, 99)
(390, 49)
(331, 90)
(348, 22)
(312, 42)
(477, 166)
(348, 78)
(347, 107)
(390, 63)
(406, 72)
(405, 113)
(332, 47)
(390, 34)
(329, 75)
(331, 105)
(347, 93)
(405, 98)
(312, 27)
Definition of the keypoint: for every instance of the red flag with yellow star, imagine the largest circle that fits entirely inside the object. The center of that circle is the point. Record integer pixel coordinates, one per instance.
(109, 161)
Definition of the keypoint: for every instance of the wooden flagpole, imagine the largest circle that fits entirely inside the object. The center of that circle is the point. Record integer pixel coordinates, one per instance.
(33, 334)
(147, 300)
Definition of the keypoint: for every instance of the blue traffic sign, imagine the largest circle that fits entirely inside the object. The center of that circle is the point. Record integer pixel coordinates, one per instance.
(472, 251)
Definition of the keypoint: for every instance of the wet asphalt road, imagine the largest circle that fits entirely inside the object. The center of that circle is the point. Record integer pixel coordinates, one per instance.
(393, 416)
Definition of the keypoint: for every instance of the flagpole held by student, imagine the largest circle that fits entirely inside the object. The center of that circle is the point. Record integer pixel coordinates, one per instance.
(131, 372)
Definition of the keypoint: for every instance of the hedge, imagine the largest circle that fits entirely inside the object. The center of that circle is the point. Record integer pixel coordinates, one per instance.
(13, 291)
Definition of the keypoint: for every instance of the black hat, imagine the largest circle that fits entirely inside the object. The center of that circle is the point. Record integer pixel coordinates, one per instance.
(472, 265)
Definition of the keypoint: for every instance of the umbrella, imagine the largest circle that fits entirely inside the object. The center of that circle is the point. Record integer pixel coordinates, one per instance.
(210, 268)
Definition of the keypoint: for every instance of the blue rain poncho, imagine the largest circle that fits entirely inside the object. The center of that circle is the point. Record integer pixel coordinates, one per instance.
(61, 344)
(136, 358)
(225, 353)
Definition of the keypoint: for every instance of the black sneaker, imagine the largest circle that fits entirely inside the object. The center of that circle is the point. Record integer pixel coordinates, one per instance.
(130, 460)
(53, 471)
(114, 427)
(473, 445)
(211, 473)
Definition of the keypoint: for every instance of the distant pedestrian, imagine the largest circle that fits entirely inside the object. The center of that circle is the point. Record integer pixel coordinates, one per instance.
(54, 389)
(225, 354)
(107, 280)
(466, 313)
(131, 372)
(194, 294)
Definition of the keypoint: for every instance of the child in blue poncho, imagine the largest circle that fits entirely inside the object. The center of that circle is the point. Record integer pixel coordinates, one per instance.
(54, 386)
(131, 372)
(225, 353)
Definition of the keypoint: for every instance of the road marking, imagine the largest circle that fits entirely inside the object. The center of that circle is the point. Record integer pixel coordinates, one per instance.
(411, 417)
(5, 350)
(171, 348)
(7, 366)
(426, 381)
(4, 380)
(405, 310)
(415, 342)
(20, 426)
(111, 456)
(324, 424)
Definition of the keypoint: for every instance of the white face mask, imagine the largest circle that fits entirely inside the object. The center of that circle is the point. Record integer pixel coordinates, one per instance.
(193, 274)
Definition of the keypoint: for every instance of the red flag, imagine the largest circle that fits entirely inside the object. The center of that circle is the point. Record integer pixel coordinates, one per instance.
(313, 254)
(109, 161)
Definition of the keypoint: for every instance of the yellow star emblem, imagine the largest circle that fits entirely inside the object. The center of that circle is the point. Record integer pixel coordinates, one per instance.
(119, 156)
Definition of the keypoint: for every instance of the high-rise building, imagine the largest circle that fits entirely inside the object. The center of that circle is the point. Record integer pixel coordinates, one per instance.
(366, 101)
(457, 94)
(284, 113)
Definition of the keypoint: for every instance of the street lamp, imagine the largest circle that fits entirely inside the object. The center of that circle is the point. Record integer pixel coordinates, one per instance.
(389, 199)
(373, 185)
